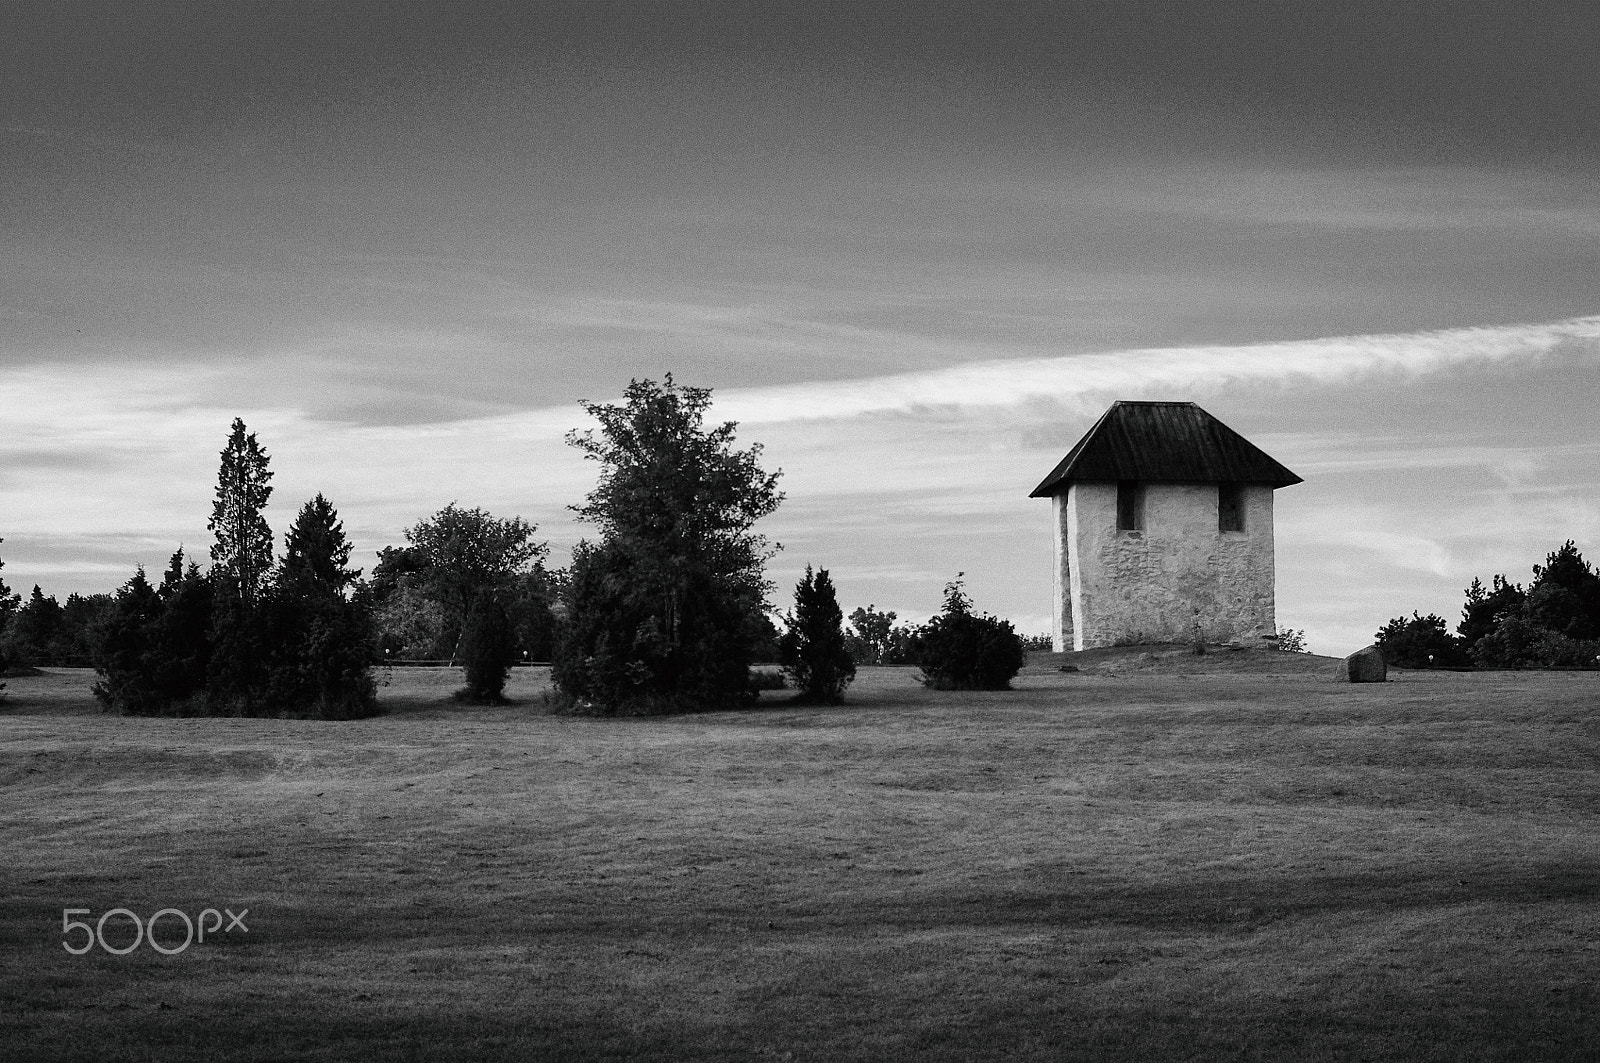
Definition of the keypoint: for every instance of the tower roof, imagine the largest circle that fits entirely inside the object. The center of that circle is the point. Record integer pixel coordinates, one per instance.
(1174, 442)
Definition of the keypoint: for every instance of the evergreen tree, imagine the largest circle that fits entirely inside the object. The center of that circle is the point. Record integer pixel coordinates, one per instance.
(83, 619)
(319, 641)
(241, 560)
(487, 650)
(8, 600)
(660, 611)
(316, 552)
(1484, 608)
(128, 681)
(242, 554)
(30, 637)
(1565, 595)
(812, 649)
(181, 636)
(1420, 642)
(9, 603)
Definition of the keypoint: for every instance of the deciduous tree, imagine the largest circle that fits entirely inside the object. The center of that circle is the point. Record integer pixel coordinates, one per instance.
(661, 608)
(458, 556)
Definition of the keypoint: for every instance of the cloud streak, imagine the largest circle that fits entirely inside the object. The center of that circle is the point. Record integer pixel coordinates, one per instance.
(1084, 381)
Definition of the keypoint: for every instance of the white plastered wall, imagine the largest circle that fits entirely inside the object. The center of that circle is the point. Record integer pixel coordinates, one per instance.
(1152, 585)
(1061, 628)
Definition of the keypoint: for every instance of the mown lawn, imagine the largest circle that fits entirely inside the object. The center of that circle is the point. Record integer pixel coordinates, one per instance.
(1123, 863)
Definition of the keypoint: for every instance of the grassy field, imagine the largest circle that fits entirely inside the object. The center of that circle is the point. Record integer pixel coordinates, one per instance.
(1157, 857)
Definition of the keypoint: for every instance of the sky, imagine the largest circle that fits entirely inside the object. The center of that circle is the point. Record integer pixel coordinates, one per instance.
(915, 248)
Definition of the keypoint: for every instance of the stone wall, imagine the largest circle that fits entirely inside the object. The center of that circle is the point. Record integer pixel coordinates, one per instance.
(1061, 579)
(1147, 586)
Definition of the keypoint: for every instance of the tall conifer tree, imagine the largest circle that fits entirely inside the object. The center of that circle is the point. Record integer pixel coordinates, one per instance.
(316, 552)
(242, 554)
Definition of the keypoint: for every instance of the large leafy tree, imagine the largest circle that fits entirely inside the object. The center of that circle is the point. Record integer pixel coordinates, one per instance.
(871, 635)
(459, 557)
(241, 557)
(660, 609)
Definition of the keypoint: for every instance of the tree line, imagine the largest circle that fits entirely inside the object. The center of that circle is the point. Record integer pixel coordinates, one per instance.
(1553, 623)
(664, 610)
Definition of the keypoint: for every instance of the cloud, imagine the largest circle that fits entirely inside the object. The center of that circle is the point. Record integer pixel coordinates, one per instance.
(1084, 381)
(895, 481)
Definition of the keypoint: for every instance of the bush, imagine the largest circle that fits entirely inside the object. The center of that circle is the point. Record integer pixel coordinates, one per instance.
(961, 650)
(767, 679)
(1291, 640)
(1420, 642)
(621, 654)
(1518, 642)
(813, 648)
(488, 648)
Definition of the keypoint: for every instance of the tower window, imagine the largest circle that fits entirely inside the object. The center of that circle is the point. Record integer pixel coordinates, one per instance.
(1130, 506)
(1230, 508)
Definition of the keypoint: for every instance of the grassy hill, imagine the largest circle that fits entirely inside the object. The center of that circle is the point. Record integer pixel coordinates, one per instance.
(1180, 659)
(1152, 858)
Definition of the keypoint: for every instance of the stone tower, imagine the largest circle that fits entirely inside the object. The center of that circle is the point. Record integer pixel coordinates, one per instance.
(1163, 523)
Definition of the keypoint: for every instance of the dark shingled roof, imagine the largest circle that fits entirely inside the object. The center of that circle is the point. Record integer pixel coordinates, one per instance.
(1175, 442)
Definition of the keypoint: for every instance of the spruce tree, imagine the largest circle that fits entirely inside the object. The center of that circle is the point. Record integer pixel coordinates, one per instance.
(316, 551)
(124, 659)
(319, 641)
(181, 636)
(241, 559)
(813, 650)
(242, 555)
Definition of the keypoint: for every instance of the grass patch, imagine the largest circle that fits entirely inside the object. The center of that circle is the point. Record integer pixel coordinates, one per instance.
(1151, 859)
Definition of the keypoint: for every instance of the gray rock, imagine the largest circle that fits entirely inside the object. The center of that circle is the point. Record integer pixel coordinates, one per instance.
(1365, 666)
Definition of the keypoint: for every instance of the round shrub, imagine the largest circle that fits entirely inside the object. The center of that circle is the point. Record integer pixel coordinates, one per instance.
(962, 650)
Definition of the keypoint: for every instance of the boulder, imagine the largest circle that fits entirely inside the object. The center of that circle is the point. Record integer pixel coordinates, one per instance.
(1365, 666)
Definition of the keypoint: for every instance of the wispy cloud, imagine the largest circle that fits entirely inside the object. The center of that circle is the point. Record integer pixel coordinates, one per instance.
(895, 481)
(1084, 381)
